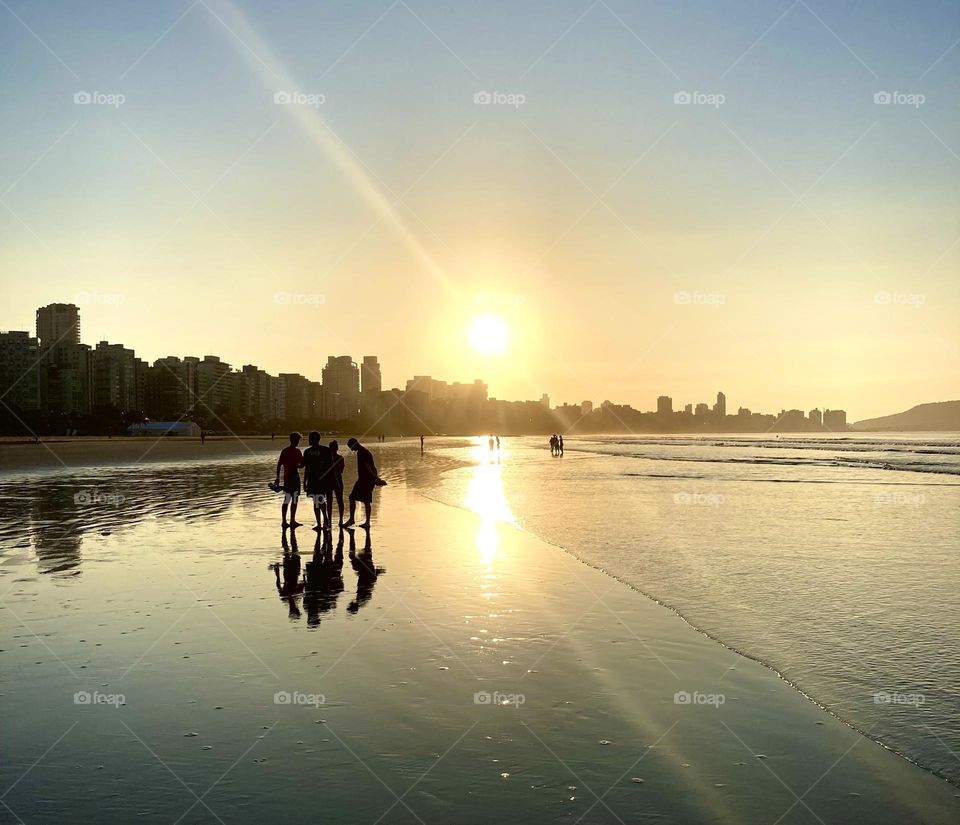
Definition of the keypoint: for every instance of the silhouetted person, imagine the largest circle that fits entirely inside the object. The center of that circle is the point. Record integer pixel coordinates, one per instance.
(323, 578)
(290, 587)
(553, 445)
(203, 437)
(421, 444)
(560, 444)
(367, 572)
(498, 443)
(318, 479)
(290, 460)
(338, 464)
(490, 443)
(367, 479)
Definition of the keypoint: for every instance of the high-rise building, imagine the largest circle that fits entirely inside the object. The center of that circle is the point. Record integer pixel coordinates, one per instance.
(341, 388)
(58, 324)
(720, 408)
(114, 377)
(816, 418)
(545, 401)
(295, 392)
(370, 378)
(586, 407)
(69, 379)
(835, 420)
(214, 390)
(19, 371)
(688, 409)
(702, 409)
(664, 405)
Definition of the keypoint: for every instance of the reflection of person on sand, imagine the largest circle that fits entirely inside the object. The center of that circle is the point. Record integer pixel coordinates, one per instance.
(290, 587)
(367, 479)
(323, 578)
(367, 572)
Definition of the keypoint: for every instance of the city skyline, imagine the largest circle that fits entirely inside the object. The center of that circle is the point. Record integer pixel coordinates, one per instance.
(640, 201)
(55, 373)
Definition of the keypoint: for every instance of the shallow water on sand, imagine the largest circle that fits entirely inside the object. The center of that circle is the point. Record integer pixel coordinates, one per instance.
(168, 652)
(831, 559)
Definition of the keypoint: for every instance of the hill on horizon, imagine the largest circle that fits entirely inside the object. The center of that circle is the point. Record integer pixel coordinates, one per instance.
(938, 416)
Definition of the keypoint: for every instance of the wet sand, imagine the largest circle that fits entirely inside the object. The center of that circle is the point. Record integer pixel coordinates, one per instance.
(66, 453)
(454, 670)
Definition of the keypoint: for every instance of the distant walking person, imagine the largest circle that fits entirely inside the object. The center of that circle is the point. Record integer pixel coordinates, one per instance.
(337, 489)
(421, 443)
(553, 445)
(367, 479)
(290, 460)
(318, 479)
(490, 443)
(203, 437)
(560, 444)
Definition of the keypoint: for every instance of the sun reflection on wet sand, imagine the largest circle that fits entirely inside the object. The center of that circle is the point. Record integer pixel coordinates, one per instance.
(485, 497)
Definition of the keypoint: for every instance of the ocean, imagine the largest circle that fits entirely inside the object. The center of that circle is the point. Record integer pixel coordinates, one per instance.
(831, 559)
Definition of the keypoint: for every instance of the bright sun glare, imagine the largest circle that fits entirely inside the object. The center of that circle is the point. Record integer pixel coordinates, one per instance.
(488, 333)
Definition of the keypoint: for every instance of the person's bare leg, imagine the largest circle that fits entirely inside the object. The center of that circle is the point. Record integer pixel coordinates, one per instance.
(366, 515)
(353, 509)
(293, 511)
(283, 509)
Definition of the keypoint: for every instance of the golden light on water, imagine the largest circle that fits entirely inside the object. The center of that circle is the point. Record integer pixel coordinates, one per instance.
(488, 334)
(485, 498)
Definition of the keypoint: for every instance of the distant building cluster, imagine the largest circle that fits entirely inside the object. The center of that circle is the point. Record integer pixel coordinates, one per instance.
(51, 382)
(54, 374)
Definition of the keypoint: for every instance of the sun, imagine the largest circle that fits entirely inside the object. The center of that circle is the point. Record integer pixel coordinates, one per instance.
(488, 334)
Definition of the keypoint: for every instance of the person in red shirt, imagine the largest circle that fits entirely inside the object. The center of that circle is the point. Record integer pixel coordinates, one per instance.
(290, 460)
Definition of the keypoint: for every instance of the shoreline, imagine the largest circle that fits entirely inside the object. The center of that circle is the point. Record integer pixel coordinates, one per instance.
(718, 640)
(467, 604)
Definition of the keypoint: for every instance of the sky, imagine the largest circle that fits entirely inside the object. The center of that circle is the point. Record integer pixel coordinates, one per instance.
(652, 198)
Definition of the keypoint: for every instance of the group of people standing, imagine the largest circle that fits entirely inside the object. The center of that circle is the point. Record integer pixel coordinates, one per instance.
(323, 468)
(556, 444)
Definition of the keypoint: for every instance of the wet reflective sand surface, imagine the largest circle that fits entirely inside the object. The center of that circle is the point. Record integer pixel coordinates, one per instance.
(169, 655)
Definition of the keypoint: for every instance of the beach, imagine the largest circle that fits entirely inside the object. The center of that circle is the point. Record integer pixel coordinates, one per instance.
(455, 669)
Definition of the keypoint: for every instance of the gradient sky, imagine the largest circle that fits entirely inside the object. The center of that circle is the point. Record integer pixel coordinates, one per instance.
(788, 215)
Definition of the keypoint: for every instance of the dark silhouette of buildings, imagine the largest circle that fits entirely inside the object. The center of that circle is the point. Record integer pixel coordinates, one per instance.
(53, 383)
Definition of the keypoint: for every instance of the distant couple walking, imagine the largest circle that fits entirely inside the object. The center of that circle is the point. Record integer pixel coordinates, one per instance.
(323, 479)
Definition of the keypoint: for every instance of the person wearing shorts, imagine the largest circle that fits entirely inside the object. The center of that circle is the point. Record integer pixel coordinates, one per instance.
(290, 460)
(367, 479)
